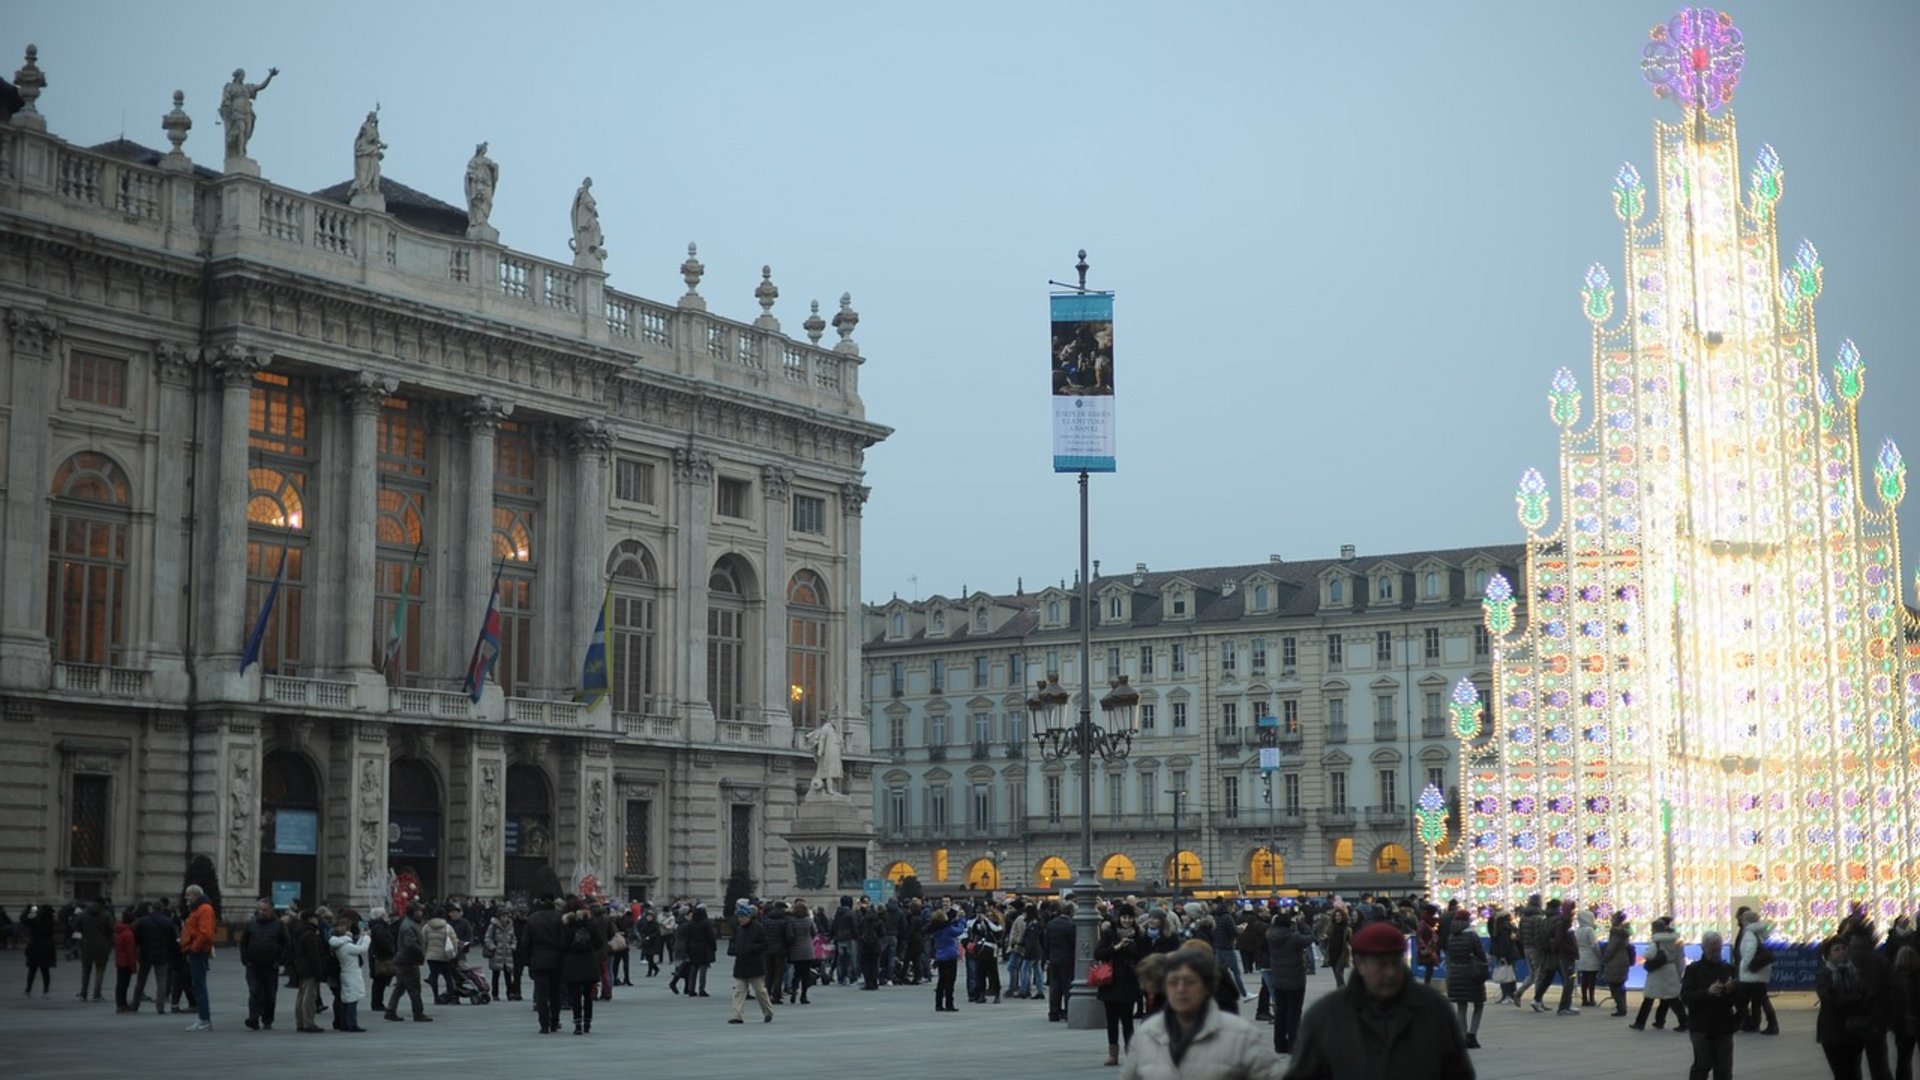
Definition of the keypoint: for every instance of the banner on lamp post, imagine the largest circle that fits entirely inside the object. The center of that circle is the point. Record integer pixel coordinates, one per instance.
(1082, 373)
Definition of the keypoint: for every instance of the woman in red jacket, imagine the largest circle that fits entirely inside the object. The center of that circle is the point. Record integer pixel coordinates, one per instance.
(126, 958)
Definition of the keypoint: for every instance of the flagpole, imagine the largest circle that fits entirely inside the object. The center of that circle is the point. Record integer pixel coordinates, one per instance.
(475, 688)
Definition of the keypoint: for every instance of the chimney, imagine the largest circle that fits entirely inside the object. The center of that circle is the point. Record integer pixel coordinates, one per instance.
(1346, 552)
(1275, 559)
(1096, 569)
(1139, 573)
(1227, 587)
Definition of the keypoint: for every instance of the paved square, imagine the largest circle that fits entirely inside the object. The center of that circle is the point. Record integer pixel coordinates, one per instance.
(647, 1031)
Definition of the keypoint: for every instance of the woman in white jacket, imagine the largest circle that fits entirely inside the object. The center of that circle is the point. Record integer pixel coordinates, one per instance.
(350, 943)
(1588, 963)
(1754, 1003)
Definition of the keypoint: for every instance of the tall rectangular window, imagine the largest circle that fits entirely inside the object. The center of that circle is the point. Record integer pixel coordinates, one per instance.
(636, 856)
(979, 673)
(1435, 711)
(1179, 659)
(87, 821)
(1230, 795)
(982, 807)
(897, 678)
(1113, 663)
(1337, 792)
(740, 839)
(1017, 728)
(1389, 786)
(1432, 644)
(1179, 714)
(937, 729)
(897, 810)
(1290, 794)
(1289, 653)
(1229, 656)
(1149, 791)
(1146, 716)
(1053, 800)
(1437, 776)
(937, 807)
(726, 658)
(633, 653)
(1337, 712)
(1116, 794)
(1016, 669)
(809, 515)
(1482, 644)
(633, 480)
(1336, 651)
(97, 380)
(1290, 716)
(982, 728)
(939, 683)
(897, 732)
(1383, 646)
(731, 497)
(1229, 717)
(1383, 715)
(1146, 662)
(1259, 655)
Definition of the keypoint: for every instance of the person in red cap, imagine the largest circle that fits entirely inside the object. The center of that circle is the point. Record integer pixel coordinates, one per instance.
(1382, 1025)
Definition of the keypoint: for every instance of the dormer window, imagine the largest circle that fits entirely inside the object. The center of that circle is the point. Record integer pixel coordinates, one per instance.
(939, 622)
(980, 618)
(1433, 583)
(1336, 591)
(1260, 597)
(1179, 603)
(1383, 589)
(1115, 607)
(1479, 582)
(1053, 611)
(899, 625)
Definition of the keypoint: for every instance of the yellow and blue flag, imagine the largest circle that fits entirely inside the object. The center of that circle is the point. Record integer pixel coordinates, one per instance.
(596, 677)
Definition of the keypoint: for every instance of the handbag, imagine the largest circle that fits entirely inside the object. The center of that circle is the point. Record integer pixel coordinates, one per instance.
(1657, 961)
(618, 943)
(1100, 974)
(1503, 973)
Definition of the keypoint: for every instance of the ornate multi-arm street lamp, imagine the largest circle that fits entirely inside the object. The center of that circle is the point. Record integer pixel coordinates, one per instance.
(1111, 741)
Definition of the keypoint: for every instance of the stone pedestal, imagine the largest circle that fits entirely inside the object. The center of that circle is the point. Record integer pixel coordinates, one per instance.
(824, 829)
(243, 166)
(368, 200)
(484, 233)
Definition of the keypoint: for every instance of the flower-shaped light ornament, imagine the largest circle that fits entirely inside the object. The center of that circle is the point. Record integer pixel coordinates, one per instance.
(1694, 58)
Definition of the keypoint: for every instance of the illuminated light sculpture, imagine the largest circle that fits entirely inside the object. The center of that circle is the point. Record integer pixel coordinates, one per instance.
(1714, 698)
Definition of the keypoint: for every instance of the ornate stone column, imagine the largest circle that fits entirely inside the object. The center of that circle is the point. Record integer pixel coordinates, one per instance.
(235, 367)
(174, 365)
(591, 440)
(775, 485)
(596, 850)
(33, 340)
(487, 833)
(693, 502)
(482, 417)
(853, 498)
(364, 392)
(368, 824)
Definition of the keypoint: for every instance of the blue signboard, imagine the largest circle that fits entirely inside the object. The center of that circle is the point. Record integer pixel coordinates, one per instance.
(414, 836)
(875, 888)
(284, 893)
(296, 832)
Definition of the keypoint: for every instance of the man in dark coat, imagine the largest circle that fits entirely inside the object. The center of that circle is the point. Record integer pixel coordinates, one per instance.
(1711, 995)
(1383, 1025)
(263, 945)
(1289, 961)
(1060, 956)
(845, 962)
(774, 922)
(152, 933)
(409, 952)
(307, 954)
(749, 946)
(871, 931)
(544, 957)
(95, 927)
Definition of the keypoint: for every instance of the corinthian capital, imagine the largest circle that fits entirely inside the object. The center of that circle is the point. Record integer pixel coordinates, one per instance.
(854, 497)
(485, 413)
(236, 364)
(591, 437)
(776, 481)
(365, 391)
(693, 466)
(175, 362)
(32, 333)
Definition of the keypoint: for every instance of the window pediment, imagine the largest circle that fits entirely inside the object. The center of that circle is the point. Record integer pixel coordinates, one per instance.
(1335, 757)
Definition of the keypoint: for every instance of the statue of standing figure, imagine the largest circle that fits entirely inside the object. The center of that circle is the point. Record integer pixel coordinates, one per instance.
(367, 152)
(236, 109)
(482, 175)
(588, 240)
(824, 741)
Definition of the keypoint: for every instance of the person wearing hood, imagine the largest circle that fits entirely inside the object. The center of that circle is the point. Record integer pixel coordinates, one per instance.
(1587, 964)
(350, 942)
(1753, 1001)
(1617, 961)
(774, 922)
(1289, 962)
(1383, 1025)
(1665, 963)
(1467, 971)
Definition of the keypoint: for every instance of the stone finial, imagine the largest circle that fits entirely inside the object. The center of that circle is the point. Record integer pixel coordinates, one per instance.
(844, 321)
(692, 270)
(176, 124)
(30, 80)
(766, 293)
(815, 325)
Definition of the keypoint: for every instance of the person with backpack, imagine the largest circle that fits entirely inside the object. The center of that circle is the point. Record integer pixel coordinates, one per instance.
(1753, 965)
(1663, 966)
(545, 948)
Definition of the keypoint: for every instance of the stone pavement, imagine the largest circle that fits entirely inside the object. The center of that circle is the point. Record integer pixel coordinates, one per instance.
(844, 1033)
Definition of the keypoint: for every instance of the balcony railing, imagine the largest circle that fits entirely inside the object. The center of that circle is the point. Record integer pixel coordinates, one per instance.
(314, 693)
(1293, 738)
(982, 751)
(1386, 813)
(744, 733)
(1433, 727)
(1385, 731)
(1016, 750)
(936, 753)
(105, 681)
(430, 704)
(1337, 731)
(541, 712)
(647, 726)
(1336, 815)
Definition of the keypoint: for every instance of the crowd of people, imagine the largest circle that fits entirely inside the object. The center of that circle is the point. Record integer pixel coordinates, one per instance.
(1173, 980)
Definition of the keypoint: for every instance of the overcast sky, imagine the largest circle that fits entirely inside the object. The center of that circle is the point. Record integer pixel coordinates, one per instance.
(1347, 239)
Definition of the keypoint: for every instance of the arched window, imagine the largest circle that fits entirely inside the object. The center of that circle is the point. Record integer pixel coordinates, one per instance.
(1053, 611)
(513, 554)
(1384, 591)
(1117, 868)
(983, 875)
(87, 561)
(807, 652)
(900, 871)
(1266, 869)
(1433, 583)
(1392, 859)
(1343, 852)
(635, 605)
(939, 621)
(1184, 870)
(276, 551)
(1260, 600)
(413, 822)
(529, 825)
(899, 625)
(726, 639)
(1336, 591)
(290, 822)
(980, 619)
(1053, 872)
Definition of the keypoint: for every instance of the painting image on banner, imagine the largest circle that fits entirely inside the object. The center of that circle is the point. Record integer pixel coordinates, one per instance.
(1082, 373)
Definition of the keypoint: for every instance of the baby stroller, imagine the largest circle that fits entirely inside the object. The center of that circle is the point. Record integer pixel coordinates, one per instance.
(468, 983)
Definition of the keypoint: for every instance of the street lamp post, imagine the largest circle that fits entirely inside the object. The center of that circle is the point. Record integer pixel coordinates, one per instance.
(1083, 740)
(1179, 879)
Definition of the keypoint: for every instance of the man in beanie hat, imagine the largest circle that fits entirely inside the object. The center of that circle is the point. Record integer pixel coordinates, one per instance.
(1382, 1025)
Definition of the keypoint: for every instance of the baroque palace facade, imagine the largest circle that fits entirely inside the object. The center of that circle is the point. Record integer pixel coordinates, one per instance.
(218, 390)
(1355, 658)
